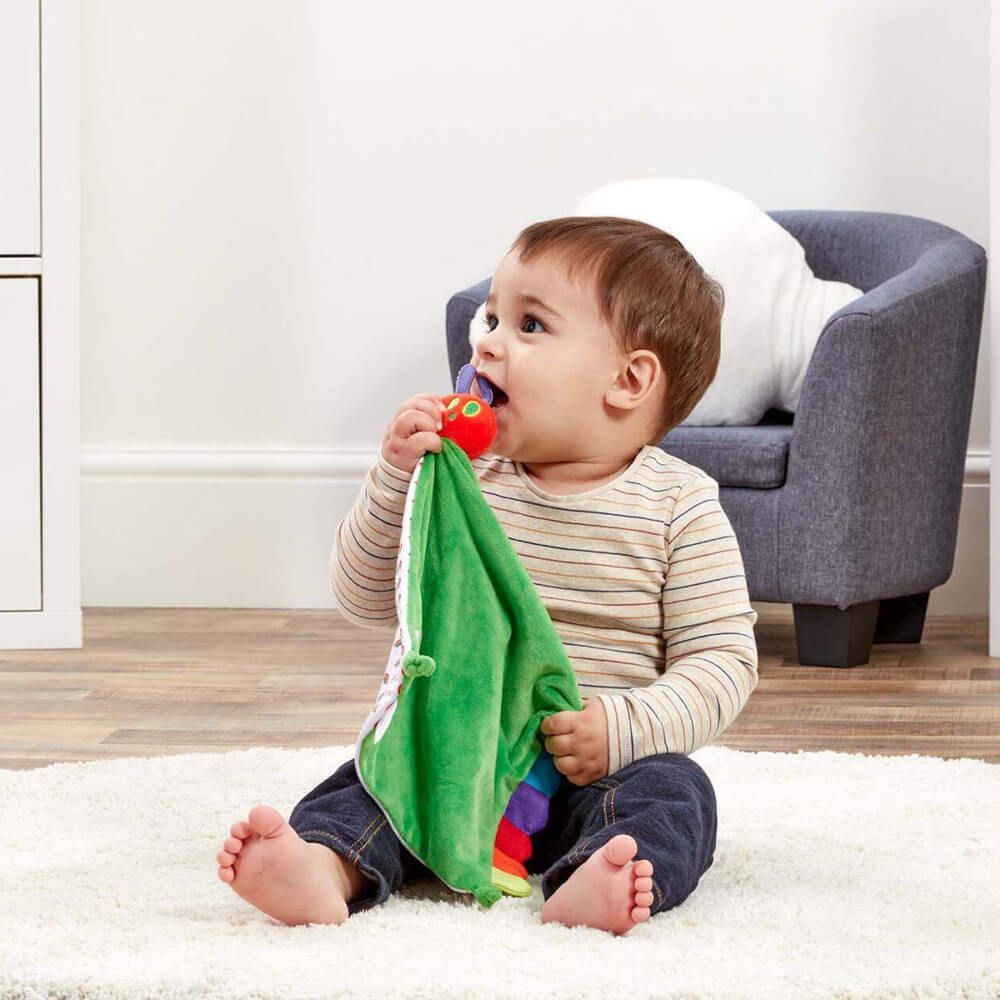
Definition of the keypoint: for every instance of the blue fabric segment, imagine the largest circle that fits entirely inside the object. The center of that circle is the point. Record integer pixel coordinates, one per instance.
(543, 774)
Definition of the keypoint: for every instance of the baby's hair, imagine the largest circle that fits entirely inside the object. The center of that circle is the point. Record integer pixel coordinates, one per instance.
(652, 294)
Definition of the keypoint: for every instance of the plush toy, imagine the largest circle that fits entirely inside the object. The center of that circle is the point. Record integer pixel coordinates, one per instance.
(468, 420)
(452, 751)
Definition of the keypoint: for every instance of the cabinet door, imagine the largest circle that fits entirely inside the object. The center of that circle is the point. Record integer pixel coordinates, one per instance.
(20, 110)
(20, 463)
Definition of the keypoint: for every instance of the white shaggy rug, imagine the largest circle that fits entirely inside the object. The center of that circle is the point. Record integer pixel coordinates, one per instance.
(835, 875)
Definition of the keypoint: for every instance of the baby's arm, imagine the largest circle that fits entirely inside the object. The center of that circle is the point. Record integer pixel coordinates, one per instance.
(363, 558)
(710, 648)
(362, 565)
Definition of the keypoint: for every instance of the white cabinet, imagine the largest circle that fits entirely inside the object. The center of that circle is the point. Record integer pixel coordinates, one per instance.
(20, 463)
(20, 127)
(39, 324)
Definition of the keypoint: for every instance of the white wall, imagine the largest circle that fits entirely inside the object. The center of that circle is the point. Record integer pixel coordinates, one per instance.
(279, 198)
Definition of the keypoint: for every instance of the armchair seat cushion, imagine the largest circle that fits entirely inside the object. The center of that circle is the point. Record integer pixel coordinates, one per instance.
(751, 457)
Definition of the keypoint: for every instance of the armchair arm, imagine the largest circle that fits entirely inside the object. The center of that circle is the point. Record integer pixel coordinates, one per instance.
(877, 456)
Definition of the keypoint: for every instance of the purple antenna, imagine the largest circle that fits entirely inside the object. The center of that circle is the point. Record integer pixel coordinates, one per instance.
(464, 383)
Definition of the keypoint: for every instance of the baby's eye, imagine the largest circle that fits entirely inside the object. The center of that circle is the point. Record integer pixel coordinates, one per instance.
(489, 317)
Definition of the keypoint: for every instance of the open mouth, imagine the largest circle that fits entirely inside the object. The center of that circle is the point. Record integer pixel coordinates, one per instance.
(500, 398)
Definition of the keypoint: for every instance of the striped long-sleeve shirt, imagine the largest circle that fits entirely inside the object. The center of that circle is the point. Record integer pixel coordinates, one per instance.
(642, 577)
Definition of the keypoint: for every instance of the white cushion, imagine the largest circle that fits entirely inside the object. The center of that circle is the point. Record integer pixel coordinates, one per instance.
(775, 308)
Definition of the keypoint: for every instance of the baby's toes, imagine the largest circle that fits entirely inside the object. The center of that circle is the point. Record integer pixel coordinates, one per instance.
(642, 870)
(226, 870)
(241, 829)
(231, 847)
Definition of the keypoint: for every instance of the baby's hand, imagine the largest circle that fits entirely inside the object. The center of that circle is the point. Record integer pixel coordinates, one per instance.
(413, 431)
(578, 742)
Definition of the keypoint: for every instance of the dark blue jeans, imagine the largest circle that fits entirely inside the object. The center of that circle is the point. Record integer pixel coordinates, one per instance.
(666, 802)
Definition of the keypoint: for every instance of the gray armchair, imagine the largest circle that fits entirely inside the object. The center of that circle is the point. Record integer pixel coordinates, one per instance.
(848, 509)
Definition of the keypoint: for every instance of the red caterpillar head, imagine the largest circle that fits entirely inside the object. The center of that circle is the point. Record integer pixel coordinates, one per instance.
(469, 422)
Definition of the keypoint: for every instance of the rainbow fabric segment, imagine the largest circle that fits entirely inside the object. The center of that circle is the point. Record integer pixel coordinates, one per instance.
(527, 812)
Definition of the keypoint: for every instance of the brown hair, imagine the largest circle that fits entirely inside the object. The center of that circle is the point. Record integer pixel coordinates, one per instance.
(652, 294)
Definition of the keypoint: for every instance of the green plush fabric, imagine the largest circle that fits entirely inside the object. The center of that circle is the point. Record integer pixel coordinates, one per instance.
(475, 667)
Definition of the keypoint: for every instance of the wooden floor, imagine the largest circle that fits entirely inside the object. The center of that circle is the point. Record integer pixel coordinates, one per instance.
(154, 681)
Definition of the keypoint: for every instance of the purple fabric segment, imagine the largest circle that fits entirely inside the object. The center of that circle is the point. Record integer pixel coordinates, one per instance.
(528, 808)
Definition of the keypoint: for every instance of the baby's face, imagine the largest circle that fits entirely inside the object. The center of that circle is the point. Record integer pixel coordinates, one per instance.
(546, 345)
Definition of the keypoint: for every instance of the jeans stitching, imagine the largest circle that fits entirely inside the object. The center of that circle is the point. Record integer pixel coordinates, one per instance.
(343, 843)
(357, 845)
(354, 846)
(659, 895)
(582, 847)
(604, 804)
(601, 786)
(361, 847)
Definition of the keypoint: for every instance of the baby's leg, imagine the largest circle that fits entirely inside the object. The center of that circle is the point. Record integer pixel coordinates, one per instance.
(344, 855)
(267, 863)
(662, 806)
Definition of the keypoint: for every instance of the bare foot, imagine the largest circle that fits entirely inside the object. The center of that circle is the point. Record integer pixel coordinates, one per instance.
(293, 880)
(608, 891)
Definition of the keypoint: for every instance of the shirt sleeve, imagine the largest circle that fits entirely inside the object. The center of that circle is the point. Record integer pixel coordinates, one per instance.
(362, 565)
(708, 632)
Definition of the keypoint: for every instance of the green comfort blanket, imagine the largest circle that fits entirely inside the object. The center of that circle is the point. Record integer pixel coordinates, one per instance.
(452, 751)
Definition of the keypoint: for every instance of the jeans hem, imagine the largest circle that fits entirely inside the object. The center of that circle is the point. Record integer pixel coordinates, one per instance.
(352, 856)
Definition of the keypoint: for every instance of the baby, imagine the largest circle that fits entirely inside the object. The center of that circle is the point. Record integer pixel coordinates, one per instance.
(599, 335)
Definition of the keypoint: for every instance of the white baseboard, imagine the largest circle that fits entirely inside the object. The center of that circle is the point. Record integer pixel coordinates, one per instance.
(41, 630)
(254, 529)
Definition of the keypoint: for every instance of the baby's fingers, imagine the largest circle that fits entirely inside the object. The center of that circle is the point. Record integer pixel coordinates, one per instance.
(426, 441)
(426, 402)
(409, 422)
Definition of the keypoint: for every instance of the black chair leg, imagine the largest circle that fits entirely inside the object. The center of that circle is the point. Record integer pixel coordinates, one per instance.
(830, 637)
(901, 619)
